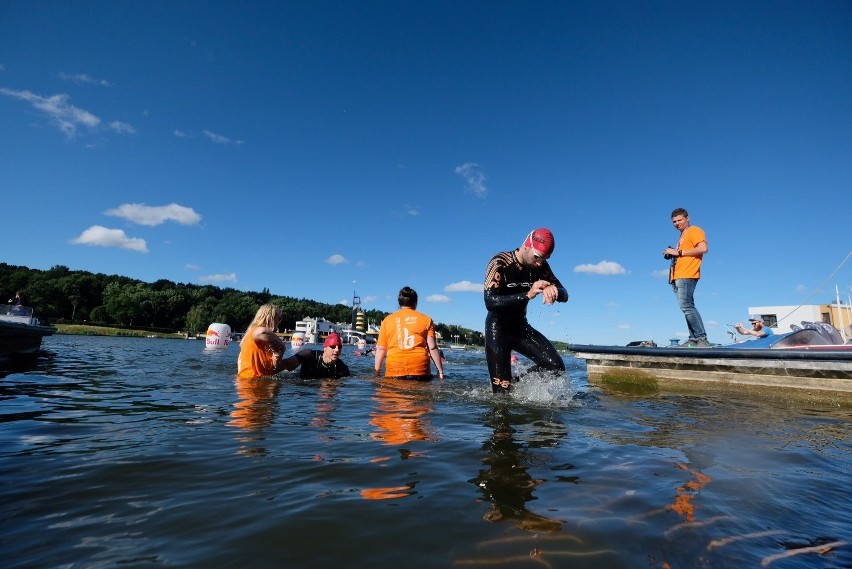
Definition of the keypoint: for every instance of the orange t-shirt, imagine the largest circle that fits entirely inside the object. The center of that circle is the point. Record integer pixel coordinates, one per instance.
(254, 360)
(403, 334)
(689, 267)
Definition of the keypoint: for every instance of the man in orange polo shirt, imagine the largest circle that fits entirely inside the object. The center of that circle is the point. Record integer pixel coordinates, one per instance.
(407, 340)
(685, 272)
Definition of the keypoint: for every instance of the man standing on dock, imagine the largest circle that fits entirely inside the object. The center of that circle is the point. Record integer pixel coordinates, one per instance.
(685, 272)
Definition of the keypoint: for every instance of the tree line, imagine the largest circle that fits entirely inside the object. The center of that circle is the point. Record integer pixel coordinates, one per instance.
(62, 296)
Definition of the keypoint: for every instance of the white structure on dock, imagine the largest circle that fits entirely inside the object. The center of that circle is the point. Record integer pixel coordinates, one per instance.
(313, 328)
(779, 318)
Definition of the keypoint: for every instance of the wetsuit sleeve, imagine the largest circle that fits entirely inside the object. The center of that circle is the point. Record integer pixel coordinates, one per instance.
(304, 355)
(494, 276)
(494, 301)
(344, 370)
(562, 295)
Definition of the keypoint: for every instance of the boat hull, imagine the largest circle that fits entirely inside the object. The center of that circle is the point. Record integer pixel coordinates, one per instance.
(16, 338)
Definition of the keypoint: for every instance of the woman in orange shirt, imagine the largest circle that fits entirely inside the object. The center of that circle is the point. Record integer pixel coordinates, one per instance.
(407, 340)
(261, 349)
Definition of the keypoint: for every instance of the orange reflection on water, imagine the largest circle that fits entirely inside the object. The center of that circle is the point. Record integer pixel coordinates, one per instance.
(686, 493)
(254, 411)
(399, 418)
(256, 406)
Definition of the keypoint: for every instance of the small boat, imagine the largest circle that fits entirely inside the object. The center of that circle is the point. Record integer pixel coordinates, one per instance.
(20, 332)
(809, 358)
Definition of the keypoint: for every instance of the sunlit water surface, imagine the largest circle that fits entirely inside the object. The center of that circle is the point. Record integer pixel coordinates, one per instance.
(148, 453)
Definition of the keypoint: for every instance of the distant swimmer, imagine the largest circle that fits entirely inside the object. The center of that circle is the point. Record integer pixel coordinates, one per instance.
(362, 349)
(512, 279)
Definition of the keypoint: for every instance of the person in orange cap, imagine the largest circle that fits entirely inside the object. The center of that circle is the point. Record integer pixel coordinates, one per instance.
(512, 279)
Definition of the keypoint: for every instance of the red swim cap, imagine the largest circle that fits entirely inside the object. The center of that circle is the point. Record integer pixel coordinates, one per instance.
(332, 339)
(541, 240)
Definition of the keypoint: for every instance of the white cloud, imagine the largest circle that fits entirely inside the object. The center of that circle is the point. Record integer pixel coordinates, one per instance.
(344, 302)
(368, 299)
(439, 298)
(219, 139)
(65, 116)
(801, 288)
(142, 214)
(413, 211)
(83, 79)
(662, 273)
(602, 268)
(474, 177)
(219, 278)
(624, 326)
(192, 267)
(464, 286)
(182, 134)
(122, 127)
(100, 236)
(336, 259)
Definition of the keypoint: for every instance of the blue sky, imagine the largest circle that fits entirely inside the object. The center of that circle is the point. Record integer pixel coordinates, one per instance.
(316, 148)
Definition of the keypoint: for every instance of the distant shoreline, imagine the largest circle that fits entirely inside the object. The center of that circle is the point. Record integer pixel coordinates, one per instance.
(85, 330)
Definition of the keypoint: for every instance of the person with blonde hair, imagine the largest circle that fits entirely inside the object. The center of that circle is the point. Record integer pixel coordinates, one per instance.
(261, 349)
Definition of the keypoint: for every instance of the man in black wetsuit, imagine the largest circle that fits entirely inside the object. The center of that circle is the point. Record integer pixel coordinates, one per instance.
(317, 364)
(512, 279)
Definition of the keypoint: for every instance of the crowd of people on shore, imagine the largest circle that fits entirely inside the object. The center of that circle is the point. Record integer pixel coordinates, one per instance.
(407, 348)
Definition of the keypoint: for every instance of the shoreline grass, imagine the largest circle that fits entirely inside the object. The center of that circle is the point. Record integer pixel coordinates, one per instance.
(86, 330)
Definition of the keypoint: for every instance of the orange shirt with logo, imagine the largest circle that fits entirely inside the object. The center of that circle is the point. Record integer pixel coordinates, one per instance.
(403, 334)
(689, 267)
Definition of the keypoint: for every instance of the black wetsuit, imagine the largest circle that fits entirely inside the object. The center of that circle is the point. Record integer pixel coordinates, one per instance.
(507, 283)
(312, 366)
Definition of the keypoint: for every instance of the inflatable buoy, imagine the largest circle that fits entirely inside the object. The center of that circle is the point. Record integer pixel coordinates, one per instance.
(218, 336)
(297, 341)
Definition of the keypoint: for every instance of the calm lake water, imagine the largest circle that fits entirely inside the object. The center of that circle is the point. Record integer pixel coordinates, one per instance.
(148, 453)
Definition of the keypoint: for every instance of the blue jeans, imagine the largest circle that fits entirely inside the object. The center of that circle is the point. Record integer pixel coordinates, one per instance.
(684, 289)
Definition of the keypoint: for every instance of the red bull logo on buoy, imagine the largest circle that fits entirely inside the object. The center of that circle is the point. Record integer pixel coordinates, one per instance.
(218, 336)
(297, 341)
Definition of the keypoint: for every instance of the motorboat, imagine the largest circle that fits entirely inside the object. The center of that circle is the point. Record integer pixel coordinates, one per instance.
(20, 331)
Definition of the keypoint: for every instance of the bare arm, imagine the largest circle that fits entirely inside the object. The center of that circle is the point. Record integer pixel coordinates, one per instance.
(267, 338)
(699, 250)
(745, 331)
(435, 355)
(381, 352)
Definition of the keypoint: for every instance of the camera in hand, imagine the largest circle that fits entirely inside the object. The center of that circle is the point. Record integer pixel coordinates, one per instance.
(666, 256)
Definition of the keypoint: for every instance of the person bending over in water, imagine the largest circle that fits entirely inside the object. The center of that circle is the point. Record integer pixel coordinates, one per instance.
(512, 279)
(317, 364)
(261, 349)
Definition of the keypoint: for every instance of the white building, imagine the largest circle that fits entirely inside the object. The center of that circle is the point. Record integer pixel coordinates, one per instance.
(312, 328)
(780, 318)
